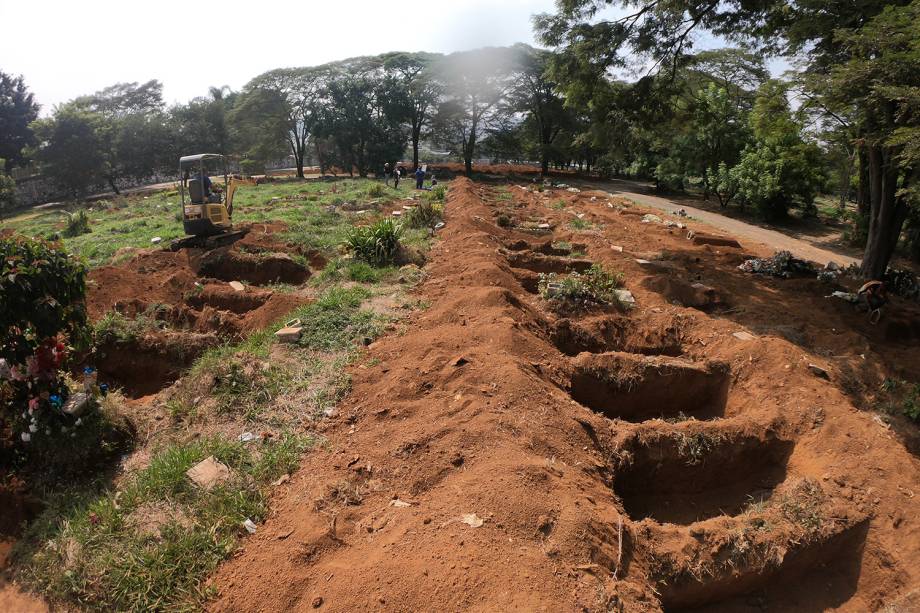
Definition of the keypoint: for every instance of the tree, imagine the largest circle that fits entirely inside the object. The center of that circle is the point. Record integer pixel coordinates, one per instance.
(865, 54)
(18, 109)
(283, 103)
(421, 90)
(71, 148)
(476, 84)
(534, 94)
(7, 190)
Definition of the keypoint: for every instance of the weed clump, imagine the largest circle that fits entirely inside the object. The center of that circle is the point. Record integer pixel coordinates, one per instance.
(77, 225)
(376, 244)
(375, 190)
(424, 215)
(595, 286)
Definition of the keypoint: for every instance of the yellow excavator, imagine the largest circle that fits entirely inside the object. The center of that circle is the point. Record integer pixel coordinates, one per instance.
(207, 209)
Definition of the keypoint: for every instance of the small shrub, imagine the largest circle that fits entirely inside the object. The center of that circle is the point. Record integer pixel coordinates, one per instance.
(43, 290)
(503, 221)
(376, 190)
(77, 225)
(595, 286)
(7, 191)
(438, 193)
(423, 215)
(376, 244)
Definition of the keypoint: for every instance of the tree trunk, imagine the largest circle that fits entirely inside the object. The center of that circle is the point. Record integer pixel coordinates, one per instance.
(544, 165)
(862, 192)
(468, 151)
(111, 182)
(416, 136)
(887, 211)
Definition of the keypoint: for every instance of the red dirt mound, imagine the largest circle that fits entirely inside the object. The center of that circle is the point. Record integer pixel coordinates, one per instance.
(463, 473)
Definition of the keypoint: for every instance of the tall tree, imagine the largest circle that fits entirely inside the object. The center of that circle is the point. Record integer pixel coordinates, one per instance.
(17, 110)
(71, 149)
(476, 84)
(534, 94)
(421, 87)
(287, 97)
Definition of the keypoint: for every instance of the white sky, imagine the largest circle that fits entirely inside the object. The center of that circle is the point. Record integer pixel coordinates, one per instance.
(68, 48)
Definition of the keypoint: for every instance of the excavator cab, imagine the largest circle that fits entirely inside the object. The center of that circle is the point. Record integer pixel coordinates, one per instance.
(206, 208)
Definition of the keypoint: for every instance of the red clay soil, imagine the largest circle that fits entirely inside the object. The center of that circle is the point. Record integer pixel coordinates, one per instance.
(480, 464)
(188, 292)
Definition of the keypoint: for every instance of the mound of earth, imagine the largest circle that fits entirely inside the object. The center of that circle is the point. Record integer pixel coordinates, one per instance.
(498, 456)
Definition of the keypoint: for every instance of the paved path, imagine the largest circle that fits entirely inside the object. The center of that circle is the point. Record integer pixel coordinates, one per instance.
(735, 227)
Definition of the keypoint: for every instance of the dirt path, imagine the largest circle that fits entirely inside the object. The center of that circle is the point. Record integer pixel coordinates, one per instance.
(737, 228)
(500, 455)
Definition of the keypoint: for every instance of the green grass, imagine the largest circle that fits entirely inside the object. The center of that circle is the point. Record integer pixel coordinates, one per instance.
(580, 225)
(88, 547)
(596, 285)
(132, 221)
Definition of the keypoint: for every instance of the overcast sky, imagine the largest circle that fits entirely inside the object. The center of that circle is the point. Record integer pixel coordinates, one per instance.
(69, 48)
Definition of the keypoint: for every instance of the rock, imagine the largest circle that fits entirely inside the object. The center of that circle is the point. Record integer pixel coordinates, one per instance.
(832, 266)
(289, 334)
(208, 473)
(281, 480)
(317, 602)
(649, 218)
(818, 371)
(617, 248)
(744, 336)
(236, 285)
(76, 404)
(400, 504)
(471, 520)
(625, 298)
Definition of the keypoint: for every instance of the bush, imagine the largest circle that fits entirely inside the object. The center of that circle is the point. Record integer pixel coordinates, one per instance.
(77, 225)
(376, 190)
(423, 215)
(595, 286)
(43, 291)
(7, 191)
(438, 193)
(376, 244)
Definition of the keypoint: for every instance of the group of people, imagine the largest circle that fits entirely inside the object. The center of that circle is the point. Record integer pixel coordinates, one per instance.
(398, 171)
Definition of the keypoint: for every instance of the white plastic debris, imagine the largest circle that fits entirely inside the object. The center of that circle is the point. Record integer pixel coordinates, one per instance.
(156, 240)
(649, 218)
(472, 520)
(245, 437)
(250, 526)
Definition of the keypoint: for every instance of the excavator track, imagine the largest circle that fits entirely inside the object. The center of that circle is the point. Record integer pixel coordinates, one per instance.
(207, 242)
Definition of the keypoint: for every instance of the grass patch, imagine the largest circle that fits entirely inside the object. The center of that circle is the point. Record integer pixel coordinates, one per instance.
(580, 225)
(596, 285)
(377, 243)
(424, 215)
(150, 546)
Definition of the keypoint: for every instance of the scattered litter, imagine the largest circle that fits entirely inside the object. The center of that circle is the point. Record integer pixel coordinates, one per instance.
(438, 225)
(643, 262)
(472, 520)
(156, 240)
(674, 224)
(208, 473)
(245, 437)
(818, 371)
(649, 218)
(397, 213)
(681, 212)
(848, 296)
(781, 264)
(574, 190)
(593, 198)
(625, 297)
(236, 285)
(562, 185)
(401, 504)
(250, 526)
(406, 207)
(744, 336)
(617, 248)
(544, 226)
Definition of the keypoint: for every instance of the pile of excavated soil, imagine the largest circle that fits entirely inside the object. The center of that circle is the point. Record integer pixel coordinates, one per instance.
(189, 293)
(501, 456)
